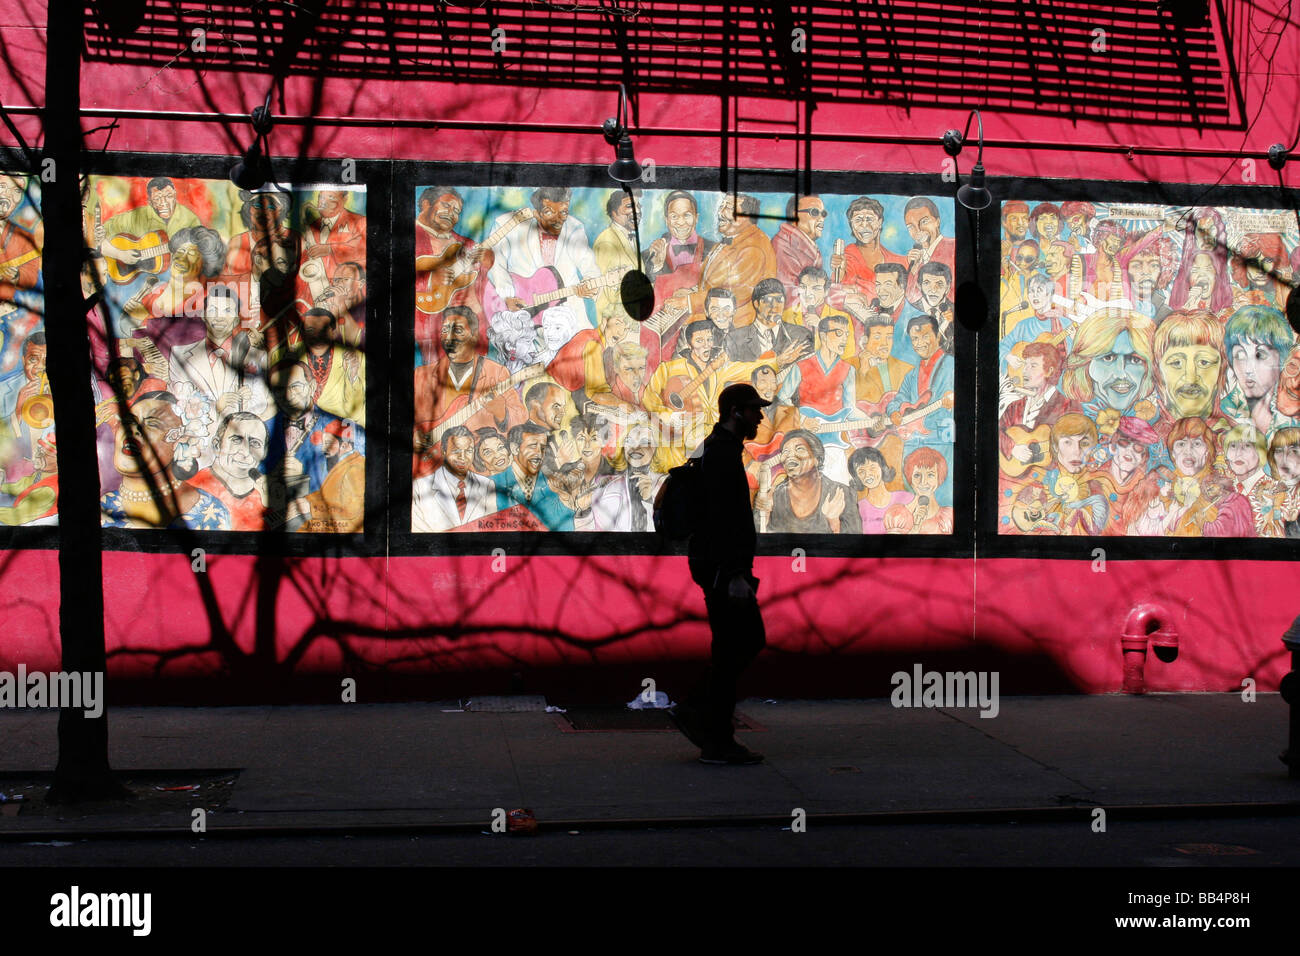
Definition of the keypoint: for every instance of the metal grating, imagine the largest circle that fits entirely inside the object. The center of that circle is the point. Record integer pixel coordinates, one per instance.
(1011, 54)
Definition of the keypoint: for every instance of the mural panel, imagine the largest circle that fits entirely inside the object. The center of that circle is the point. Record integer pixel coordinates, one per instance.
(1150, 383)
(29, 485)
(541, 405)
(230, 377)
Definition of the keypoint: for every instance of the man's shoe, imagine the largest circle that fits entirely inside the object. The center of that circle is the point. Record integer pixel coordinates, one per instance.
(733, 753)
(687, 719)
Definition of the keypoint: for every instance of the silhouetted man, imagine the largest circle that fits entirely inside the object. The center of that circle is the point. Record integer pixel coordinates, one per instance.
(721, 562)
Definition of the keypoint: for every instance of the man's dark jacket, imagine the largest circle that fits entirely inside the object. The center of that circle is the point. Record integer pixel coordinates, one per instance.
(724, 540)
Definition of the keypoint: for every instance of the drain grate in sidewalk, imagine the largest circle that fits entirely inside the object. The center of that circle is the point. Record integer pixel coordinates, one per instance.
(616, 719)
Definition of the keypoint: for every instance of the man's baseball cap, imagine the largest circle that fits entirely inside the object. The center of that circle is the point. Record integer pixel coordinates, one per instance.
(739, 395)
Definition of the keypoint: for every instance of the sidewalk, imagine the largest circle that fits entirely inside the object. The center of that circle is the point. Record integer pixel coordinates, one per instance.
(358, 765)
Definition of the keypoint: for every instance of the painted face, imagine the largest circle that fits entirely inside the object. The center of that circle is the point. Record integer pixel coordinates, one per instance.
(243, 446)
(865, 226)
(924, 339)
(615, 327)
(1243, 458)
(494, 454)
(1207, 233)
(1202, 273)
(888, 289)
(551, 216)
(721, 312)
(346, 286)
(457, 339)
(460, 455)
(529, 454)
(1143, 272)
(1288, 464)
(299, 392)
(765, 383)
(220, 317)
(589, 445)
(934, 289)
(263, 214)
(1190, 375)
(1034, 372)
(1112, 244)
(1039, 296)
(1054, 258)
(1078, 224)
(11, 194)
(623, 213)
(880, 341)
(922, 226)
(186, 261)
(1259, 271)
(1126, 455)
(316, 328)
(812, 217)
(163, 202)
(632, 369)
(1049, 226)
(639, 449)
(330, 202)
(446, 212)
(835, 337)
(1257, 367)
(1017, 224)
(925, 479)
(1189, 455)
(813, 292)
(1026, 260)
(34, 362)
(702, 346)
(727, 223)
(550, 411)
(147, 444)
(768, 309)
(1071, 450)
(1288, 387)
(681, 218)
(1117, 375)
(555, 331)
(797, 458)
(869, 473)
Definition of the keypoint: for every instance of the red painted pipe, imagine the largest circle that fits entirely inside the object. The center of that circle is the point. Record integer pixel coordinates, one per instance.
(1149, 623)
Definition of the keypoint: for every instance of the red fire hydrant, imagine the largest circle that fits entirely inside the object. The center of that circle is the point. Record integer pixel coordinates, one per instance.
(1152, 624)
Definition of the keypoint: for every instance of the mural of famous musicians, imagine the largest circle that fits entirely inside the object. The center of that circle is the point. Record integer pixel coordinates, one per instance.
(28, 471)
(540, 404)
(1150, 383)
(231, 381)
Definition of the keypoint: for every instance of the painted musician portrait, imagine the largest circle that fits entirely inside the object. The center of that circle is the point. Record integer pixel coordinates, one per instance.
(236, 339)
(532, 378)
(1142, 363)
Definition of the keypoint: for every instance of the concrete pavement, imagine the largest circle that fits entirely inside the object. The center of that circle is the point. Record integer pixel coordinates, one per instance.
(435, 765)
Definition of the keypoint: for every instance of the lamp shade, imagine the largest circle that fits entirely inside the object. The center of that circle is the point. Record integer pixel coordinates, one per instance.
(625, 168)
(974, 195)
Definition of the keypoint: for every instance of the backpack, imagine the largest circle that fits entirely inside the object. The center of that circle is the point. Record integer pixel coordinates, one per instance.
(677, 503)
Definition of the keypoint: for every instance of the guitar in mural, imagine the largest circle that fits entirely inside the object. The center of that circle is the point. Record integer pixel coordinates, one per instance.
(545, 287)
(1038, 443)
(452, 270)
(155, 255)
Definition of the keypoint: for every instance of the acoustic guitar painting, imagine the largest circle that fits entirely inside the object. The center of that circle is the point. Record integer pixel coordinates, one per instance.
(155, 255)
(462, 409)
(1038, 444)
(451, 270)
